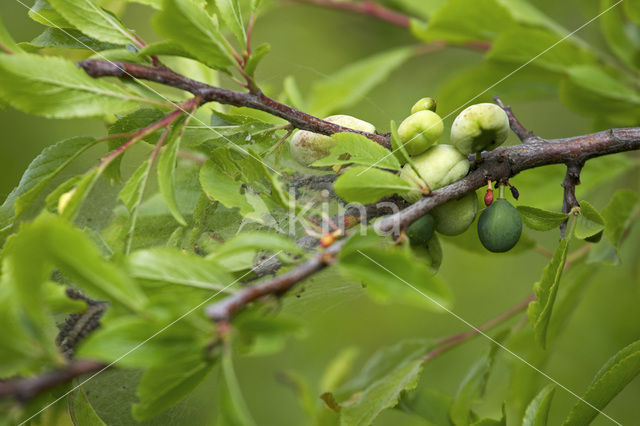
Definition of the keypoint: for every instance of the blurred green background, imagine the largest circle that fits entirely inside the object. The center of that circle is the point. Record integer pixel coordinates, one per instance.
(309, 42)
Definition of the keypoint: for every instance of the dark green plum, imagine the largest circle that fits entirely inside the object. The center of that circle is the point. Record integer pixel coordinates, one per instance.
(420, 231)
(499, 226)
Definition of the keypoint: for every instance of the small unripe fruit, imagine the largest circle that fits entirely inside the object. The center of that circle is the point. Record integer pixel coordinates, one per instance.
(439, 166)
(454, 217)
(433, 252)
(420, 130)
(424, 104)
(421, 231)
(499, 226)
(480, 127)
(307, 147)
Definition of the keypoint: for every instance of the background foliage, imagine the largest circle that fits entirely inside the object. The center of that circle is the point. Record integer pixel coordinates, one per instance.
(331, 319)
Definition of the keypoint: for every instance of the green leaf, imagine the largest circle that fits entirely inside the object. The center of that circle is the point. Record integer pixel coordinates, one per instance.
(338, 369)
(67, 39)
(135, 342)
(131, 195)
(352, 148)
(368, 185)
(256, 56)
(257, 240)
(382, 364)
(521, 45)
(233, 409)
(82, 262)
(429, 404)
(69, 208)
(164, 47)
(613, 28)
(49, 241)
(189, 26)
(135, 121)
(220, 186)
(132, 191)
(537, 411)
(382, 394)
(546, 290)
(392, 274)
(93, 20)
(166, 265)
(589, 223)
(614, 375)
(632, 9)
(473, 386)
(6, 41)
(156, 4)
(163, 386)
(42, 170)
(590, 90)
(167, 167)
(618, 214)
(54, 87)
(524, 12)
(540, 219)
(230, 12)
(459, 21)
(43, 13)
(81, 411)
(351, 84)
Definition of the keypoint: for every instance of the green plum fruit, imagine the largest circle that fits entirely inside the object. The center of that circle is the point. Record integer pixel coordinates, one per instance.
(421, 230)
(499, 226)
(420, 130)
(307, 147)
(424, 104)
(455, 216)
(480, 127)
(439, 166)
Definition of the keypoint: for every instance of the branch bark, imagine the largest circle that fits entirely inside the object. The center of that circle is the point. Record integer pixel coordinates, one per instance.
(375, 10)
(501, 163)
(24, 389)
(257, 100)
(369, 8)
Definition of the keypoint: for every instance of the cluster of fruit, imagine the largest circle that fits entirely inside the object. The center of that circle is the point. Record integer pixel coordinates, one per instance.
(433, 165)
(478, 128)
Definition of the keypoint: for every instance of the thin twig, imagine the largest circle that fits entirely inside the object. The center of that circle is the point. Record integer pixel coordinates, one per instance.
(24, 389)
(571, 179)
(525, 136)
(256, 100)
(447, 343)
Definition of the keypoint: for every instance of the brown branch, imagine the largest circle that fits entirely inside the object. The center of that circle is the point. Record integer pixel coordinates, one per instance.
(571, 179)
(503, 162)
(375, 10)
(368, 8)
(525, 136)
(346, 220)
(443, 345)
(257, 100)
(24, 389)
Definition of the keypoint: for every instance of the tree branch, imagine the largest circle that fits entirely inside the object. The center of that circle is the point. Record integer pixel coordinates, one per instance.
(525, 136)
(24, 389)
(503, 162)
(571, 179)
(443, 345)
(369, 8)
(375, 10)
(257, 100)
